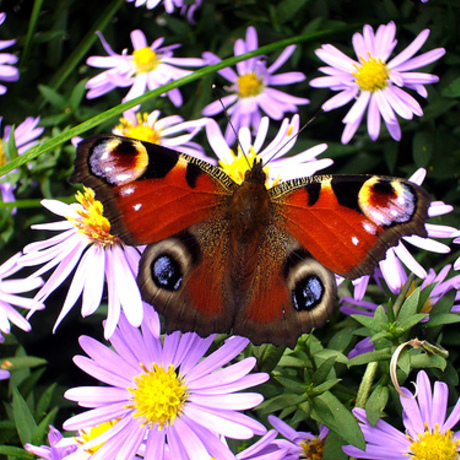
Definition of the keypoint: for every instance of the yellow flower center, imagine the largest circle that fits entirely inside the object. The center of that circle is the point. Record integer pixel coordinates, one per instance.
(372, 75)
(434, 446)
(159, 395)
(92, 223)
(249, 85)
(145, 60)
(139, 129)
(312, 449)
(239, 164)
(94, 432)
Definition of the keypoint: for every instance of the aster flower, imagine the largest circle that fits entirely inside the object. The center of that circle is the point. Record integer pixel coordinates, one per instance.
(162, 393)
(300, 165)
(352, 306)
(84, 242)
(185, 7)
(9, 300)
(251, 88)
(58, 449)
(25, 135)
(428, 432)
(301, 444)
(374, 82)
(163, 131)
(148, 67)
(392, 268)
(7, 71)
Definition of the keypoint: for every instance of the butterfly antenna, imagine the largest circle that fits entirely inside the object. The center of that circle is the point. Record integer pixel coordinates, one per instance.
(216, 93)
(313, 118)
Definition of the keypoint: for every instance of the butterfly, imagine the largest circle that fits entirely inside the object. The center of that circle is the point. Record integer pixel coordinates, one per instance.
(223, 256)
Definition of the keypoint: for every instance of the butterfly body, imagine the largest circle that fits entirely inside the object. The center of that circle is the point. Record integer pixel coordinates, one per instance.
(223, 256)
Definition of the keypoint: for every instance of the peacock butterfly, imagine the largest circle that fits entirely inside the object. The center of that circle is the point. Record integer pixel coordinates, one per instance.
(223, 256)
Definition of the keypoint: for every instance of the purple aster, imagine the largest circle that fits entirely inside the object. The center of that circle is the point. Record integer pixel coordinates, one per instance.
(251, 88)
(352, 306)
(9, 300)
(186, 7)
(374, 83)
(58, 449)
(7, 71)
(428, 431)
(165, 394)
(148, 67)
(301, 444)
(172, 132)
(279, 169)
(25, 135)
(84, 242)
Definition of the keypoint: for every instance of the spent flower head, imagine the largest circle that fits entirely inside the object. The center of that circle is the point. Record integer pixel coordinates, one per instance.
(374, 82)
(147, 68)
(165, 394)
(428, 430)
(251, 88)
(84, 242)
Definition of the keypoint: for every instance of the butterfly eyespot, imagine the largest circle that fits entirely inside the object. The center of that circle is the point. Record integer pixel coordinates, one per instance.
(166, 272)
(308, 293)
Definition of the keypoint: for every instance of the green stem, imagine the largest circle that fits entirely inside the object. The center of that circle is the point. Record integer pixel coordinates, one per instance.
(366, 384)
(30, 32)
(117, 110)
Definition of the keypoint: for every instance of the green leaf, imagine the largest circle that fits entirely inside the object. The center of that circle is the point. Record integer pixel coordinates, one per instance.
(333, 447)
(24, 362)
(292, 385)
(443, 318)
(323, 371)
(328, 353)
(365, 358)
(287, 9)
(16, 452)
(270, 357)
(424, 360)
(44, 401)
(24, 419)
(53, 97)
(410, 306)
(338, 418)
(325, 386)
(422, 148)
(452, 90)
(376, 403)
(408, 323)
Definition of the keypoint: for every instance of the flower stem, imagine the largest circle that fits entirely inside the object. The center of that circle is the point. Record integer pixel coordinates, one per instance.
(366, 384)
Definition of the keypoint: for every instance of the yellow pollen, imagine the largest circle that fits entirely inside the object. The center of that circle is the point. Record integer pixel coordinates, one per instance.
(312, 449)
(159, 395)
(94, 432)
(145, 60)
(240, 163)
(434, 446)
(249, 85)
(92, 223)
(139, 129)
(372, 75)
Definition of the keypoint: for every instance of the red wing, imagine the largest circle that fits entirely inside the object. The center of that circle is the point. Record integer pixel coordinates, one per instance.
(149, 192)
(348, 222)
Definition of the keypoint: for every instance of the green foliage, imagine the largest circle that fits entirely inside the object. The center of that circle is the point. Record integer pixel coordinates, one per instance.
(316, 383)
